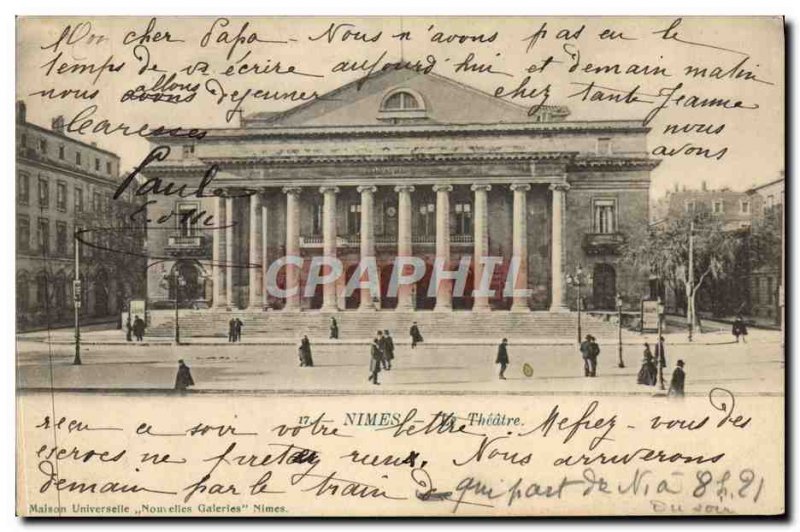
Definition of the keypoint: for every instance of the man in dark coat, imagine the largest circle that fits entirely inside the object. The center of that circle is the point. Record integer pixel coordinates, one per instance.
(237, 330)
(334, 329)
(128, 329)
(416, 337)
(502, 357)
(306, 360)
(138, 328)
(184, 377)
(661, 358)
(739, 329)
(388, 350)
(375, 360)
(586, 353)
(594, 352)
(232, 330)
(678, 380)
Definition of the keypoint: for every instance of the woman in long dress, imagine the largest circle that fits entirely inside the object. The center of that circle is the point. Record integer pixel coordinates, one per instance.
(648, 375)
(304, 352)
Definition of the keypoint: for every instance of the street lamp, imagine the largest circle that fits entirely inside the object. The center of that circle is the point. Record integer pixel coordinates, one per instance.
(76, 297)
(619, 329)
(660, 359)
(178, 281)
(576, 281)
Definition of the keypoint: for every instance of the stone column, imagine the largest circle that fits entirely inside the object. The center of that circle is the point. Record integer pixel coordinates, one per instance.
(264, 254)
(520, 243)
(329, 243)
(557, 248)
(444, 293)
(254, 269)
(229, 295)
(481, 244)
(218, 254)
(367, 238)
(405, 293)
(292, 245)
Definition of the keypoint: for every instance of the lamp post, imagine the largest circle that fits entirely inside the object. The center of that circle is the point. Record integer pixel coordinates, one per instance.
(660, 344)
(619, 329)
(576, 281)
(76, 298)
(177, 280)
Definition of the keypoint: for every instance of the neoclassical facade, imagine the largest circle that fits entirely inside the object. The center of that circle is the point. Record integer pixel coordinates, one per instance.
(404, 165)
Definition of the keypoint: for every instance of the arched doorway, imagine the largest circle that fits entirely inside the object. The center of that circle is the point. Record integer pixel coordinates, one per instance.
(604, 286)
(192, 287)
(424, 302)
(101, 293)
(386, 279)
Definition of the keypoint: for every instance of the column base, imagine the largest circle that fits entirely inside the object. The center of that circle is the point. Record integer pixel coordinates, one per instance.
(481, 308)
(559, 308)
(443, 308)
(520, 307)
(330, 309)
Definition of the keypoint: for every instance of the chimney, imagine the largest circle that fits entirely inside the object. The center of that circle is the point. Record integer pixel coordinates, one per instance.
(21, 112)
(676, 187)
(704, 186)
(57, 124)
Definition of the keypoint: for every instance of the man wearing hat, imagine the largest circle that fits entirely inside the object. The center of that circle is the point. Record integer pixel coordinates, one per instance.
(502, 357)
(678, 380)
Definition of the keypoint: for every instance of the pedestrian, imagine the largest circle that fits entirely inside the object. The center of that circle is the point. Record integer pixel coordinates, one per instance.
(388, 350)
(334, 329)
(502, 357)
(237, 329)
(306, 360)
(232, 330)
(594, 353)
(138, 328)
(416, 337)
(128, 329)
(589, 351)
(678, 380)
(648, 375)
(739, 329)
(381, 346)
(184, 377)
(375, 360)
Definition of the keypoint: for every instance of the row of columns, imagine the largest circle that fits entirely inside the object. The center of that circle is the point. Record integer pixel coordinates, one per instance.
(222, 250)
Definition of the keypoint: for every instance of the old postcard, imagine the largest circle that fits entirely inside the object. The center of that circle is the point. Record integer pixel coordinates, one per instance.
(442, 266)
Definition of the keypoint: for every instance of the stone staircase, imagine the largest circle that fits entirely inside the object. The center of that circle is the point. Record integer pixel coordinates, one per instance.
(355, 324)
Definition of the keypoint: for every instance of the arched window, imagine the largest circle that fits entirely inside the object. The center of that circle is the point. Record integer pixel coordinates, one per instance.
(401, 101)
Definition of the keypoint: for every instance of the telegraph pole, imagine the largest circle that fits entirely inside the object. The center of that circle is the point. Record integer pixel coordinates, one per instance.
(621, 364)
(76, 296)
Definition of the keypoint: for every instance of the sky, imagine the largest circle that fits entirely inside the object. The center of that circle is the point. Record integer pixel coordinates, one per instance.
(754, 137)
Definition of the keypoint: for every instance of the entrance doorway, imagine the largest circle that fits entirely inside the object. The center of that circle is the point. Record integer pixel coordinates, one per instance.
(605, 286)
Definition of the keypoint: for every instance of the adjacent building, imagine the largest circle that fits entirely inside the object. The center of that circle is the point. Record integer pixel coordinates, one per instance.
(734, 209)
(766, 282)
(64, 184)
(404, 164)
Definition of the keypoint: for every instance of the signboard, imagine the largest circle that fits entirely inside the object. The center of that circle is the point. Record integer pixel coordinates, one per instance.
(649, 315)
(137, 308)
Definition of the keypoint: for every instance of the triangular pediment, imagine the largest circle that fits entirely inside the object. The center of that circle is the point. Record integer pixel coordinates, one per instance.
(428, 98)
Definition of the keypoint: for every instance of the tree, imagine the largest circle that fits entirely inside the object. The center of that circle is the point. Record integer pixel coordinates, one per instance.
(686, 252)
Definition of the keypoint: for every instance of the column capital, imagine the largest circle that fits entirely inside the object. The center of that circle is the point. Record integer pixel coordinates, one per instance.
(367, 188)
(328, 188)
(560, 187)
(442, 188)
(404, 188)
(481, 186)
(292, 190)
(524, 187)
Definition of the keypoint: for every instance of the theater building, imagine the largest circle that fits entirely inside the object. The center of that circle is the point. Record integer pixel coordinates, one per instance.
(405, 165)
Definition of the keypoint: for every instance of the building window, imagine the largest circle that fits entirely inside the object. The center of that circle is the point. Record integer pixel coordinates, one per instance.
(43, 146)
(717, 207)
(604, 146)
(23, 188)
(428, 212)
(23, 233)
(23, 140)
(96, 164)
(61, 152)
(41, 290)
(401, 101)
(690, 206)
(96, 202)
(770, 201)
(604, 216)
(78, 199)
(44, 193)
(108, 167)
(61, 196)
(744, 207)
(354, 219)
(463, 212)
(61, 238)
(188, 150)
(43, 235)
(78, 158)
(187, 219)
(316, 219)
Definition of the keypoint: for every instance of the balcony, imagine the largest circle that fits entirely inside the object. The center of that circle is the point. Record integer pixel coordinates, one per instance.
(603, 243)
(187, 246)
(348, 241)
